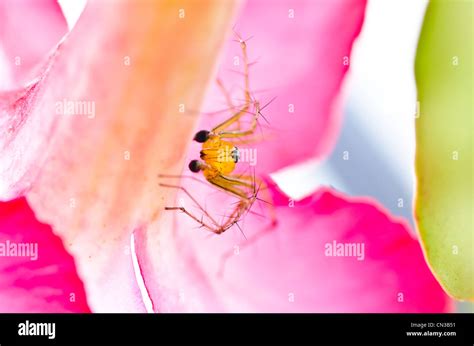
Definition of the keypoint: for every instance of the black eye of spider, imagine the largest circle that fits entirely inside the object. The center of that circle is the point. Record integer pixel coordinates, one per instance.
(194, 166)
(201, 136)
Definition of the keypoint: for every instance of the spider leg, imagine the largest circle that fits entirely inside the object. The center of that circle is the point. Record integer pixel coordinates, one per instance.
(194, 200)
(186, 176)
(214, 229)
(243, 189)
(228, 99)
(258, 185)
(248, 100)
(233, 185)
(228, 184)
(226, 94)
(248, 132)
(253, 124)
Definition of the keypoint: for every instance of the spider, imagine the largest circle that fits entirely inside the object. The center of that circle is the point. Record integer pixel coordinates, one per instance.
(219, 157)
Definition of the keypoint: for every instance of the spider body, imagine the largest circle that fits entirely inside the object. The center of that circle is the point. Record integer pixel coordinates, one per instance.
(218, 157)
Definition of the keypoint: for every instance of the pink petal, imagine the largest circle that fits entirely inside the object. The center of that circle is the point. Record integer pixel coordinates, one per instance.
(300, 62)
(285, 269)
(29, 30)
(44, 281)
(92, 177)
(27, 50)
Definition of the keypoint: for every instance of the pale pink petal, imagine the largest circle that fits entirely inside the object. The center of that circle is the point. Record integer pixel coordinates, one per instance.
(29, 33)
(286, 268)
(29, 30)
(44, 278)
(299, 50)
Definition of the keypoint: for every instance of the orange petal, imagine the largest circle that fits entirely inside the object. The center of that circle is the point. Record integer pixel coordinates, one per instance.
(134, 65)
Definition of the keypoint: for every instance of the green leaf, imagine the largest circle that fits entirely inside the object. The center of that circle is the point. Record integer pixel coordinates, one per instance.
(444, 154)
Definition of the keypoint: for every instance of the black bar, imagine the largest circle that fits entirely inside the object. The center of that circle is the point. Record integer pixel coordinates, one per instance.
(291, 329)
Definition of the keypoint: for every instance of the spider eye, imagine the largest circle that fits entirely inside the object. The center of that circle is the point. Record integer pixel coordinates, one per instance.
(194, 166)
(201, 136)
(235, 154)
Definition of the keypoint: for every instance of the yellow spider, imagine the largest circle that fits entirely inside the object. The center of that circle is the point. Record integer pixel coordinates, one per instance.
(219, 157)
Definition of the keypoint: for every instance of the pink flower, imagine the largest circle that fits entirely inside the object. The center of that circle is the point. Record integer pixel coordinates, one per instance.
(38, 275)
(93, 178)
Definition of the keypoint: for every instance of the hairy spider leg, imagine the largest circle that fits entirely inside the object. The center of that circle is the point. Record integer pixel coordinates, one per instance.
(248, 100)
(228, 184)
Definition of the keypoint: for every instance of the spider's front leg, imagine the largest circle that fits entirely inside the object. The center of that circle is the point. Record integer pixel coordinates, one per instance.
(247, 98)
(228, 184)
(215, 225)
(247, 188)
